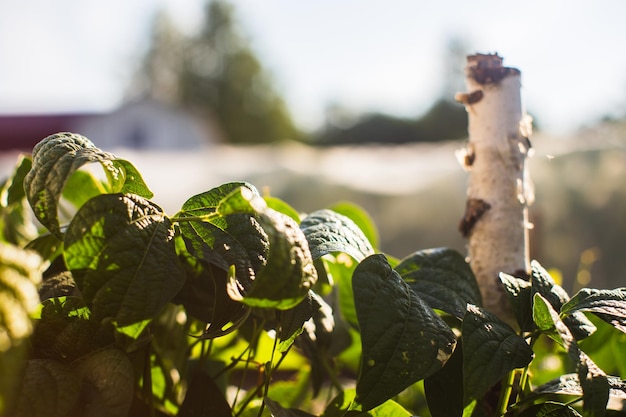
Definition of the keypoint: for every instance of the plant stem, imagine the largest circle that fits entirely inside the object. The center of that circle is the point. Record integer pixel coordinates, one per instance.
(505, 395)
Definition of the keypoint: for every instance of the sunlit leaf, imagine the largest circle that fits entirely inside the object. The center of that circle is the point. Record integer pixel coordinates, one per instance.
(550, 409)
(442, 278)
(542, 283)
(121, 252)
(292, 320)
(360, 217)
(20, 272)
(289, 273)
(609, 305)
(344, 405)
(56, 158)
(330, 232)
(403, 339)
(491, 349)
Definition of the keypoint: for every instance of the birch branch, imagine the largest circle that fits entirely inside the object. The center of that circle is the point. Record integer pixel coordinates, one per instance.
(499, 189)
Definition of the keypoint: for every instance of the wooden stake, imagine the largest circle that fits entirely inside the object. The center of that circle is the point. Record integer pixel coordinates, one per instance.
(499, 189)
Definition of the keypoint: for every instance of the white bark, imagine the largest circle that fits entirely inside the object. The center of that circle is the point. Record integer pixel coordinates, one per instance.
(499, 190)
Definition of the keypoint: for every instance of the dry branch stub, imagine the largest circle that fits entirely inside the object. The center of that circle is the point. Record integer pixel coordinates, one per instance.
(499, 189)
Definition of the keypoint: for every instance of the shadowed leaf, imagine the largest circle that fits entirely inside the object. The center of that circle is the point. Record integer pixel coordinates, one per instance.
(609, 305)
(442, 278)
(403, 339)
(491, 349)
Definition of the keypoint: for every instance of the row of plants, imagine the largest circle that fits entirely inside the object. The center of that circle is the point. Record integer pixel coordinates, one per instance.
(239, 305)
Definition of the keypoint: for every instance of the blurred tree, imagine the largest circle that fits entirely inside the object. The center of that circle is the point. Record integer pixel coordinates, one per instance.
(216, 75)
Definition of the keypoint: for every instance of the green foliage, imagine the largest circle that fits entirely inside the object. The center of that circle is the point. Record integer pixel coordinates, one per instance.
(239, 306)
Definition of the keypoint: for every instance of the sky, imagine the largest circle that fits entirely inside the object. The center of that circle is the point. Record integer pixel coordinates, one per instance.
(364, 55)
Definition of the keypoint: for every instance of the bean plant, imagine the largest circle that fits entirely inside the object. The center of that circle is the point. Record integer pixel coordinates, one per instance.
(239, 305)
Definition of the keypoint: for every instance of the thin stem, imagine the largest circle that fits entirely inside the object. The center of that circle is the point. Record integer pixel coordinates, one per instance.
(505, 395)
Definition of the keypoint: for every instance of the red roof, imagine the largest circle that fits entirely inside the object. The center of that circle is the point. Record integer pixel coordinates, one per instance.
(22, 132)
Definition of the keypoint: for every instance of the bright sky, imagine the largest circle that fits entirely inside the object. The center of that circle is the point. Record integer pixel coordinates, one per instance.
(366, 55)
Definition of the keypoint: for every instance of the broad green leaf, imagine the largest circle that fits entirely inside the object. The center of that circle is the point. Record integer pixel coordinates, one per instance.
(344, 405)
(491, 349)
(224, 240)
(20, 272)
(595, 390)
(444, 389)
(403, 339)
(281, 206)
(56, 158)
(442, 278)
(16, 220)
(49, 388)
(48, 246)
(569, 384)
(205, 298)
(108, 382)
(120, 249)
(292, 320)
(340, 270)
(360, 217)
(609, 305)
(593, 379)
(543, 284)
(278, 411)
(81, 186)
(12, 190)
(289, 273)
(550, 409)
(520, 297)
(204, 398)
(330, 232)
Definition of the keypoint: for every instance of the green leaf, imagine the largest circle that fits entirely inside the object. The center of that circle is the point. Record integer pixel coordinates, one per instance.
(224, 240)
(550, 409)
(442, 278)
(569, 384)
(20, 272)
(360, 217)
(444, 389)
(543, 284)
(593, 379)
(344, 405)
(121, 252)
(205, 298)
(278, 411)
(108, 382)
(16, 220)
(281, 206)
(403, 339)
(12, 190)
(56, 158)
(204, 398)
(289, 273)
(609, 305)
(49, 388)
(491, 349)
(330, 232)
(292, 320)
(519, 292)
(81, 186)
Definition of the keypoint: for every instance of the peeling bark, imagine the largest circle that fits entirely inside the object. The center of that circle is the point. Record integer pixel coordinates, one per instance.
(499, 189)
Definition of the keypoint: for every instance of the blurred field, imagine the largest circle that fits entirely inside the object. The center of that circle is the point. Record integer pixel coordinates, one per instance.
(415, 193)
